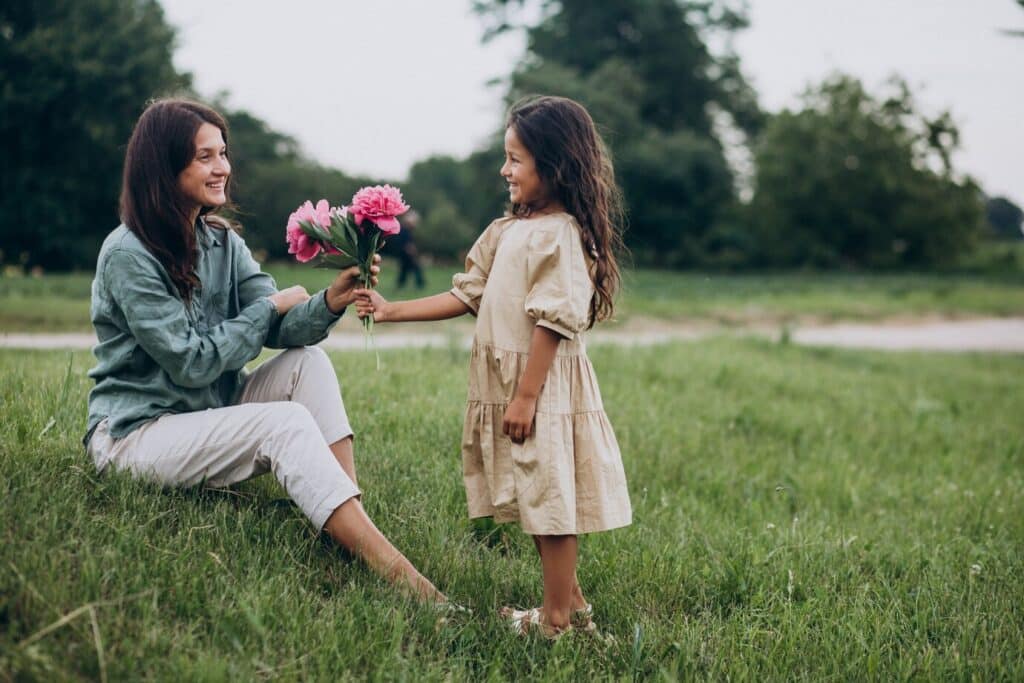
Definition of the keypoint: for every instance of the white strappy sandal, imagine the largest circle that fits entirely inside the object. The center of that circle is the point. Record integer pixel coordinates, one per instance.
(524, 621)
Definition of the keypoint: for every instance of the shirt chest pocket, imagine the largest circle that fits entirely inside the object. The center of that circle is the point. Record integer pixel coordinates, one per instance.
(217, 303)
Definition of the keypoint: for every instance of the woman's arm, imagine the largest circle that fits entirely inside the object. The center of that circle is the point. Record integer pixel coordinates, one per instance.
(310, 320)
(438, 307)
(158, 321)
(518, 420)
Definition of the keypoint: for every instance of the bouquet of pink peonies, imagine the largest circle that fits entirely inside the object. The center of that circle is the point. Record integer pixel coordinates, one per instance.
(347, 236)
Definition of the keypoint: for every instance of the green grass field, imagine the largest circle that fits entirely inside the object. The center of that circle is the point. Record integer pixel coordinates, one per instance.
(799, 515)
(60, 302)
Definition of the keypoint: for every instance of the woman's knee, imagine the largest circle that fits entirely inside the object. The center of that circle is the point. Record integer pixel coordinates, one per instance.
(292, 418)
(317, 371)
(306, 358)
(314, 357)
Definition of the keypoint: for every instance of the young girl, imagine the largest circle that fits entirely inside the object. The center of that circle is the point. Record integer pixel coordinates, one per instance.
(537, 446)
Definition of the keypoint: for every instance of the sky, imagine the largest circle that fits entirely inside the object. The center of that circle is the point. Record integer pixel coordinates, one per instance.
(372, 86)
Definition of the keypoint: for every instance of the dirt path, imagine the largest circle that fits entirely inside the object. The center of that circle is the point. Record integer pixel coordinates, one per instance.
(984, 334)
(988, 334)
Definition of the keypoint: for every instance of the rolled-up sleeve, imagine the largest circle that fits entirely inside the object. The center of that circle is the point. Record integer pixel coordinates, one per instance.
(159, 322)
(559, 288)
(468, 287)
(303, 325)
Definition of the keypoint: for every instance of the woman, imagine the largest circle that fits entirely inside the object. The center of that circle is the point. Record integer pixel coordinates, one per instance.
(180, 306)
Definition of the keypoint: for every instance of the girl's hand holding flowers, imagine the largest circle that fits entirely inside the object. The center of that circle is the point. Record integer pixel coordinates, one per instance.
(368, 301)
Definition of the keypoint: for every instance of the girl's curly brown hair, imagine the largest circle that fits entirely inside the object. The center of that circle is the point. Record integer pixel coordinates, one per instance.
(574, 164)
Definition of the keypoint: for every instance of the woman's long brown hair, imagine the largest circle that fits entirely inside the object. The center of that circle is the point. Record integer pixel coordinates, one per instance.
(152, 203)
(576, 168)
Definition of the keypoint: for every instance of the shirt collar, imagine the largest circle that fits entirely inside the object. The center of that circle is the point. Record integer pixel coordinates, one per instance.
(209, 234)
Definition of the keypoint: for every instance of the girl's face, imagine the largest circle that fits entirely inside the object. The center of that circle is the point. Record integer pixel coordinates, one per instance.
(205, 179)
(525, 187)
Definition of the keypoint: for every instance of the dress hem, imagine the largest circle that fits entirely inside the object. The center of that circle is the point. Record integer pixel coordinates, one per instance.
(499, 519)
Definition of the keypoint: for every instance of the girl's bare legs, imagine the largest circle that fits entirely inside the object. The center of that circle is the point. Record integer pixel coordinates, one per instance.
(558, 561)
(352, 528)
(343, 454)
(578, 602)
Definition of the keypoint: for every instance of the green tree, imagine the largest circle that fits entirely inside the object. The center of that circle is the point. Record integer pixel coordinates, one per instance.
(432, 184)
(860, 181)
(74, 76)
(457, 198)
(664, 43)
(1005, 219)
(1017, 33)
(644, 70)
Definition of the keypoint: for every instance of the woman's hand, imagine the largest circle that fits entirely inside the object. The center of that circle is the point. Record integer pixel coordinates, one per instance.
(370, 301)
(342, 291)
(286, 299)
(517, 423)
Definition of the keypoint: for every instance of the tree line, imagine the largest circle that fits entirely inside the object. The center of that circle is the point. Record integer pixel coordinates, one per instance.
(851, 178)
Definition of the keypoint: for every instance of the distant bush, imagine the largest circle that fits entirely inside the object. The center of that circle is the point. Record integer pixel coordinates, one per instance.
(854, 180)
(1005, 219)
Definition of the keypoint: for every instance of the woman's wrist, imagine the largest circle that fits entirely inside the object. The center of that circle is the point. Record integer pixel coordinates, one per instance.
(335, 301)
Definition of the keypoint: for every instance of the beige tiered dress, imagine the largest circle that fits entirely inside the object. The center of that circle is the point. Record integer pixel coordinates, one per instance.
(567, 477)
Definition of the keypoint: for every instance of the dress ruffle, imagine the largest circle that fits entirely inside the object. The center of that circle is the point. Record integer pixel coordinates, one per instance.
(567, 478)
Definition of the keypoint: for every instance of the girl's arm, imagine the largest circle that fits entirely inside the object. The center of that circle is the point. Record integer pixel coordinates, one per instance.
(438, 307)
(518, 421)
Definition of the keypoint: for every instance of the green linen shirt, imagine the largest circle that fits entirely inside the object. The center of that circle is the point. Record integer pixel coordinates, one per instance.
(157, 354)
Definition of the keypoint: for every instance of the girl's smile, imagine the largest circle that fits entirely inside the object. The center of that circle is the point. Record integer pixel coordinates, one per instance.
(525, 186)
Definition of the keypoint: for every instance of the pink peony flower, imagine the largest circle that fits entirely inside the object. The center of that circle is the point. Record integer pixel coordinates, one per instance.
(302, 245)
(379, 204)
(304, 248)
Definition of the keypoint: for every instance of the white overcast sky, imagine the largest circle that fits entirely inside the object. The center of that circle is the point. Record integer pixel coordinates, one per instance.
(372, 86)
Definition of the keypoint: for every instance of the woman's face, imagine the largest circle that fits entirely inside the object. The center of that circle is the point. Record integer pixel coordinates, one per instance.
(525, 186)
(205, 179)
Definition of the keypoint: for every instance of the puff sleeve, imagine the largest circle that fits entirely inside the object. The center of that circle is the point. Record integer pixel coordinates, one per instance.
(468, 287)
(559, 288)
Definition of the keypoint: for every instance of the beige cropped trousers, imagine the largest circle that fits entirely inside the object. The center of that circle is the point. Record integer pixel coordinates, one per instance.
(289, 412)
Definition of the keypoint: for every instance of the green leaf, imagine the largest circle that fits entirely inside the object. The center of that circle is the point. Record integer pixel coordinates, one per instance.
(352, 232)
(336, 261)
(314, 231)
(339, 236)
(339, 240)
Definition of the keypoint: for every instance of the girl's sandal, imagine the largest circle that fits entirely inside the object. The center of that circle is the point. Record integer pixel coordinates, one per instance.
(523, 621)
(583, 619)
(452, 609)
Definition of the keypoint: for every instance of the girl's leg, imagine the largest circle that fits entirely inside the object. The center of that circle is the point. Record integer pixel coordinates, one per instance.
(578, 601)
(558, 561)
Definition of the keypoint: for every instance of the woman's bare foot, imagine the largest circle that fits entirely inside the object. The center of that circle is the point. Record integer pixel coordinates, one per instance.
(352, 528)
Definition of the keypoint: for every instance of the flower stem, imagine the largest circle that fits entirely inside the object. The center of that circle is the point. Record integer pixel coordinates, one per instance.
(365, 277)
